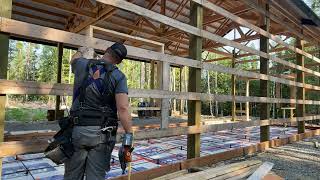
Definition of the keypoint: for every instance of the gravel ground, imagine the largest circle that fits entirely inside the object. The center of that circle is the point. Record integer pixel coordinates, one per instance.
(298, 161)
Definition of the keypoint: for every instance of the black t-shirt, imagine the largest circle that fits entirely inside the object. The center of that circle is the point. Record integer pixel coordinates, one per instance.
(94, 96)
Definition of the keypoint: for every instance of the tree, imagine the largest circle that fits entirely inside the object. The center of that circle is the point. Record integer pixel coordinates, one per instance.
(315, 6)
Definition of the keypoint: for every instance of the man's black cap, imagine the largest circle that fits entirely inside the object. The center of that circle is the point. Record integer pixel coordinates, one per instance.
(119, 49)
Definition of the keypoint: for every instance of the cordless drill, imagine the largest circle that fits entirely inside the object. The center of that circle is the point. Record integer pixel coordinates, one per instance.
(125, 151)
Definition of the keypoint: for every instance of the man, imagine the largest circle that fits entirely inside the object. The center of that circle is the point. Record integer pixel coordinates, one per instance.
(100, 93)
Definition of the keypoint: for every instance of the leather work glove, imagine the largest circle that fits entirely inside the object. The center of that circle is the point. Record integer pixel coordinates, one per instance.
(87, 52)
(84, 52)
(125, 151)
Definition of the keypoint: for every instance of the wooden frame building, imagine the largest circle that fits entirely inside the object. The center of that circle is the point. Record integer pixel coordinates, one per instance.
(172, 32)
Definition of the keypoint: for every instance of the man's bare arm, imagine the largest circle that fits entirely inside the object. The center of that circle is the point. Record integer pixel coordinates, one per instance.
(123, 111)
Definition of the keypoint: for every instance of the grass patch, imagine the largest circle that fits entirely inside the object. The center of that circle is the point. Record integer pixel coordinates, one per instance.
(25, 114)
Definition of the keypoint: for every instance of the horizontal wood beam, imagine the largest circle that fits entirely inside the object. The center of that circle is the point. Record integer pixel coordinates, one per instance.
(46, 34)
(26, 6)
(36, 88)
(128, 37)
(44, 19)
(246, 55)
(66, 7)
(38, 145)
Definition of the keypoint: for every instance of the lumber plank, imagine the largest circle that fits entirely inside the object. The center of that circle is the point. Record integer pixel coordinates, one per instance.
(46, 34)
(172, 175)
(40, 88)
(22, 147)
(152, 173)
(145, 108)
(261, 171)
(127, 37)
(218, 171)
(28, 136)
(198, 32)
(238, 174)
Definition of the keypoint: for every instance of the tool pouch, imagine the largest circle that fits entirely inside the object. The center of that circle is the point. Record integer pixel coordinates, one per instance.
(60, 146)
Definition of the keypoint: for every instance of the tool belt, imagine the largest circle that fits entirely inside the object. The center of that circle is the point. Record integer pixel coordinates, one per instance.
(88, 117)
(60, 146)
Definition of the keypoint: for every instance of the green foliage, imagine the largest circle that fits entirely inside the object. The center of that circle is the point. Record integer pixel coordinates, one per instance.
(34, 62)
(315, 5)
(25, 114)
(48, 64)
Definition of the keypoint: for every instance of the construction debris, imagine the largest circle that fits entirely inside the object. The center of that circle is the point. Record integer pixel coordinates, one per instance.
(262, 171)
(255, 169)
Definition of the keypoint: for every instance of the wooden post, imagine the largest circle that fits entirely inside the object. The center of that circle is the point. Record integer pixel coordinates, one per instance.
(174, 89)
(5, 11)
(293, 92)
(194, 107)
(233, 90)
(318, 107)
(300, 90)
(58, 98)
(152, 79)
(278, 96)
(264, 85)
(247, 103)
(159, 75)
(163, 77)
(165, 106)
(181, 101)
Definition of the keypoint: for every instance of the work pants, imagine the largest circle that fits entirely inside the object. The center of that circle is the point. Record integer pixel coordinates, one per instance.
(92, 154)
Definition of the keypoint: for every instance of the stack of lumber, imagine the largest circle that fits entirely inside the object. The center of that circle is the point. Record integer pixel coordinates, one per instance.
(251, 170)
